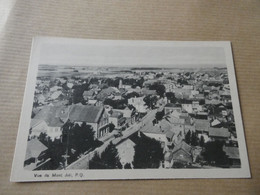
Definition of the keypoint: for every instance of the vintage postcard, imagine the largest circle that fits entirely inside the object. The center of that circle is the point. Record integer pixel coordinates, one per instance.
(106, 109)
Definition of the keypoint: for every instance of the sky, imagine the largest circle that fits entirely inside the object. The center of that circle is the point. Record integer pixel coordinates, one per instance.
(132, 54)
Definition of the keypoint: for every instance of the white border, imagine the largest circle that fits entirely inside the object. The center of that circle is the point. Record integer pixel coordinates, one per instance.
(20, 175)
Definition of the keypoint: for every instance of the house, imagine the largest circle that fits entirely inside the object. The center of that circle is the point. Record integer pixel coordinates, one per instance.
(138, 103)
(55, 88)
(128, 114)
(117, 119)
(170, 107)
(216, 123)
(70, 85)
(121, 86)
(41, 99)
(55, 95)
(35, 154)
(126, 152)
(169, 87)
(37, 127)
(107, 93)
(49, 120)
(94, 116)
(181, 153)
(165, 132)
(92, 102)
(117, 96)
(146, 92)
(232, 154)
(200, 115)
(182, 93)
(88, 95)
(187, 87)
(219, 134)
(201, 126)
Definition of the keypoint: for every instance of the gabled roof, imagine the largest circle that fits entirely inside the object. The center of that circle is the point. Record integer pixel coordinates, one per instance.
(53, 115)
(183, 146)
(215, 122)
(34, 149)
(219, 132)
(35, 122)
(202, 125)
(85, 113)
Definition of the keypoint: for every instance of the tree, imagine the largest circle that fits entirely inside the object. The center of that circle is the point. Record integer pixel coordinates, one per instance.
(148, 153)
(202, 141)
(128, 166)
(150, 101)
(78, 139)
(159, 115)
(130, 95)
(182, 82)
(171, 97)
(55, 152)
(160, 89)
(96, 162)
(111, 127)
(109, 159)
(188, 137)
(43, 138)
(116, 104)
(214, 153)
(194, 139)
(77, 95)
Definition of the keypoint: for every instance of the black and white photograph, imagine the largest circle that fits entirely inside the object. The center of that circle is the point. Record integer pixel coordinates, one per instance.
(103, 109)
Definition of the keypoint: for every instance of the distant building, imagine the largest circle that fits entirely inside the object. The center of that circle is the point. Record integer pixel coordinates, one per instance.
(169, 87)
(170, 107)
(121, 86)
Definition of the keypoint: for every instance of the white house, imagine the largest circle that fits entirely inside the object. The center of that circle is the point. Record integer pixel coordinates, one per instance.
(138, 103)
(126, 152)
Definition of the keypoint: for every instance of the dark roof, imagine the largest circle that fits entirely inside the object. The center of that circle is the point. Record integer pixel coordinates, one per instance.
(34, 149)
(219, 132)
(172, 105)
(53, 115)
(85, 113)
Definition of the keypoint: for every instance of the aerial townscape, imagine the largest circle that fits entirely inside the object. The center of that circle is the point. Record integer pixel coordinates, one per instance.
(136, 117)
